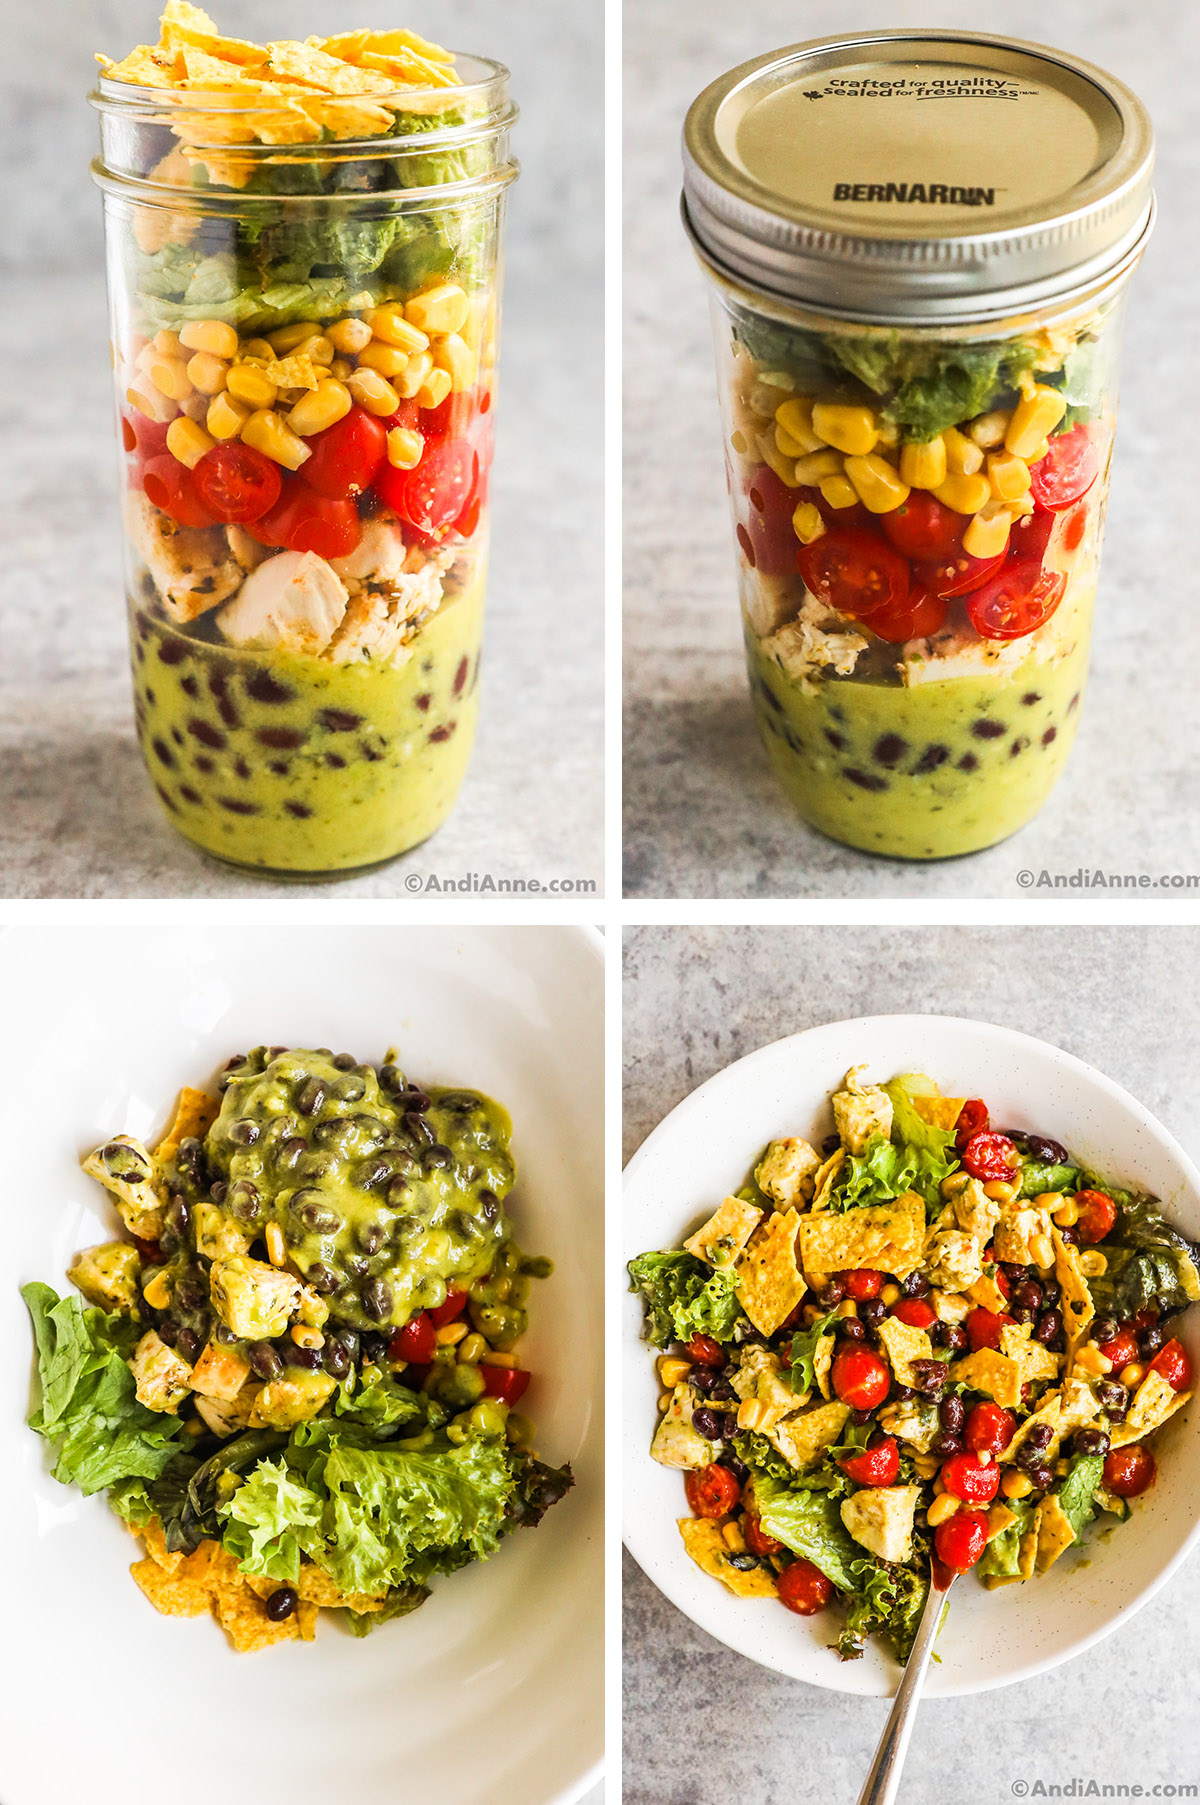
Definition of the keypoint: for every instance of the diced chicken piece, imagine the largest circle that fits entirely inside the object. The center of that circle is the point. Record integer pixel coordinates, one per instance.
(787, 1171)
(769, 602)
(380, 615)
(295, 601)
(190, 567)
(282, 1403)
(108, 1275)
(229, 1418)
(163, 1378)
(802, 1439)
(218, 1237)
(880, 1518)
(312, 1309)
(913, 1422)
(248, 552)
(124, 1167)
(861, 1113)
(767, 1397)
(954, 1256)
(803, 650)
(220, 1372)
(1020, 1225)
(380, 553)
(253, 1299)
(676, 1443)
(720, 1240)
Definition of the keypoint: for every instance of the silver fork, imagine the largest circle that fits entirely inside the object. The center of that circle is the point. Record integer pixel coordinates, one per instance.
(883, 1781)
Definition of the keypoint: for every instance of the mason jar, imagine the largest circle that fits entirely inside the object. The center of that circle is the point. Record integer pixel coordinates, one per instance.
(918, 246)
(304, 300)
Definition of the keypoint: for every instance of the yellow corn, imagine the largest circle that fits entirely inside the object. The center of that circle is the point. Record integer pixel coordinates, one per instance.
(810, 469)
(672, 1371)
(1009, 476)
(957, 1181)
(1066, 1214)
(259, 347)
(989, 429)
(158, 1292)
(1036, 414)
(167, 343)
(226, 416)
(210, 335)
(389, 325)
(1132, 1375)
(303, 1336)
(267, 433)
(248, 383)
(847, 1307)
(288, 338)
(340, 368)
(1015, 1484)
(371, 391)
(890, 1294)
(1093, 1264)
(419, 366)
(471, 1349)
(838, 491)
(324, 406)
(496, 1358)
(207, 373)
(996, 1188)
(770, 453)
(790, 447)
(965, 494)
(385, 358)
(987, 535)
(441, 309)
(1042, 1249)
(796, 418)
(733, 1538)
(434, 390)
(923, 465)
(276, 1245)
(849, 429)
(187, 441)
(318, 350)
(154, 405)
(404, 447)
(963, 456)
(450, 1334)
(925, 1465)
(750, 1413)
(1089, 1359)
(1038, 453)
(878, 483)
(941, 1510)
(806, 521)
(169, 376)
(349, 336)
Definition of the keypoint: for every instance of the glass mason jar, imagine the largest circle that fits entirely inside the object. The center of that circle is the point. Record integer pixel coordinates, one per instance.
(918, 411)
(305, 310)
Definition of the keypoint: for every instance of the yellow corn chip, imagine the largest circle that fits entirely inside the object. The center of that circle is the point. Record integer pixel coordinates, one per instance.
(243, 1617)
(887, 1236)
(391, 43)
(205, 71)
(292, 373)
(939, 1112)
(1054, 1532)
(987, 1294)
(145, 67)
(1153, 1402)
(1077, 1306)
(993, 1373)
(314, 1586)
(823, 1182)
(188, 25)
(800, 1439)
(156, 1547)
(998, 1519)
(707, 1546)
(409, 69)
(823, 1363)
(1034, 1360)
(300, 62)
(903, 1344)
(174, 1594)
(195, 1113)
(770, 1284)
(1048, 1412)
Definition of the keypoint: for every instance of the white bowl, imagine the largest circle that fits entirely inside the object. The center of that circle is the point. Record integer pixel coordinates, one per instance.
(492, 1692)
(703, 1150)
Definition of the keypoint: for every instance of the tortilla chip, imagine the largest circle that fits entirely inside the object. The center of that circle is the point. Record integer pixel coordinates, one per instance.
(1035, 1361)
(770, 1284)
(902, 1343)
(145, 67)
(174, 1594)
(389, 43)
(1048, 1412)
(987, 1294)
(156, 1547)
(707, 1546)
(802, 1439)
(315, 69)
(823, 1363)
(242, 1614)
(195, 1113)
(316, 1587)
(1153, 1402)
(726, 1232)
(993, 1373)
(187, 25)
(293, 372)
(407, 69)
(1077, 1307)
(998, 1519)
(1027, 1550)
(1054, 1532)
(824, 1178)
(939, 1112)
(888, 1236)
(209, 72)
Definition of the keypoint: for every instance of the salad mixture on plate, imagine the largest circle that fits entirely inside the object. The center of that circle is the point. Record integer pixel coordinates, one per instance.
(295, 1374)
(931, 1341)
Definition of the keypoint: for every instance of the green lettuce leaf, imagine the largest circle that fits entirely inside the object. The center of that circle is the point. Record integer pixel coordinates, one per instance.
(754, 1450)
(1036, 1178)
(1001, 1558)
(886, 1600)
(886, 1170)
(683, 1297)
(908, 1125)
(401, 1600)
(382, 1402)
(1150, 1264)
(802, 1350)
(89, 1411)
(810, 1524)
(266, 1518)
(1077, 1493)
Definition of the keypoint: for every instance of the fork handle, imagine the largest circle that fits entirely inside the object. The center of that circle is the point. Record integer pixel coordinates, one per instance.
(883, 1781)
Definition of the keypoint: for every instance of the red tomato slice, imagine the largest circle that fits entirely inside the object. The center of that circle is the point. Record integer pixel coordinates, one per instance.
(961, 1540)
(958, 574)
(169, 485)
(1018, 601)
(921, 615)
(271, 528)
(924, 528)
(855, 515)
(766, 536)
(450, 418)
(712, 1491)
(1067, 471)
(1030, 536)
(803, 1588)
(449, 1310)
(317, 523)
(855, 573)
(346, 455)
(415, 1342)
(235, 482)
(508, 1383)
(432, 496)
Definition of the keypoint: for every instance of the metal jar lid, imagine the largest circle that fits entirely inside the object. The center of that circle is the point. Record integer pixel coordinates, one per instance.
(898, 176)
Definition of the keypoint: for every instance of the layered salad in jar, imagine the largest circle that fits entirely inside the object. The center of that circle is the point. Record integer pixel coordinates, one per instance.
(304, 346)
(918, 518)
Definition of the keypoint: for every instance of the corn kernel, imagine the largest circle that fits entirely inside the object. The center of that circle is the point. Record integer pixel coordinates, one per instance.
(1066, 1214)
(371, 391)
(963, 456)
(471, 1349)
(672, 1370)
(434, 390)
(989, 429)
(155, 406)
(450, 1334)
(878, 483)
(390, 326)
(169, 376)
(770, 453)
(987, 532)
(810, 469)
(1037, 413)
(340, 368)
(965, 494)
(1042, 1249)
(941, 1510)
(318, 348)
(806, 521)
(891, 1294)
(838, 491)
(259, 347)
(207, 373)
(304, 1336)
(997, 1188)
(789, 447)
(733, 1538)
(158, 1292)
(847, 1307)
(1015, 1484)
(166, 343)
(1009, 476)
(349, 336)
(210, 335)
(249, 384)
(923, 464)
(267, 433)
(289, 338)
(1089, 1359)
(796, 419)
(187, 441)
(441, 309)
(1093, 1264)
(404, 448)
(328, 403)
(750, 1413)
(1132, 1375)
(226, 416)
(276, 1245)
(455, 356)
(1038, 453)
(385, 358)
(419, 366)
(739, 442)
(849, 429)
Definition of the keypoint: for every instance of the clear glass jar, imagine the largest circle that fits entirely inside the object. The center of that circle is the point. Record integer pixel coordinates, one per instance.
(305, 313)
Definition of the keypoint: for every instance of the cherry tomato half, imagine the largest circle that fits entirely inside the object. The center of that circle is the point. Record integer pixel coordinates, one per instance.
(877, 1464)
(961, 1539)
(983, 1328)
(965, 1476)
(1173, 1364)
(508, 1383)
(415, 1342)
(170, 486)
(860, 1377)
(346, 455)
(235, 482)
(1030, 536)
(862, 1283)
(1097, 1215)
(757, 1539)
(766, 537)
(803, 1588)
(317, 523)
(989, 1428)
(958, 574)
(924, 528)
(921, 614)
(1130, 1471)
(990, 1156)
(704, 1351)
(972, 1120)
(1067, 471)
(1018, 601)
(1121, 1350)
(917, 1312)
(449, 1310)
(712, 1491)
(432, 496)
(855, 573)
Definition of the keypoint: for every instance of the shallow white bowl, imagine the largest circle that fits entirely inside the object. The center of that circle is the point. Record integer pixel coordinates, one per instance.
(492, 1692)
(704, 1149)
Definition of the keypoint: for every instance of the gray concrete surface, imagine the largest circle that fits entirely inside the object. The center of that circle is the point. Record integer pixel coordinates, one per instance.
(78, 817)
(703, 1726)
(704, 815)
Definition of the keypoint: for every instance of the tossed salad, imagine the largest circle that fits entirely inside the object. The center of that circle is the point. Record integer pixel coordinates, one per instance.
(295, 1375)
(930, 1341)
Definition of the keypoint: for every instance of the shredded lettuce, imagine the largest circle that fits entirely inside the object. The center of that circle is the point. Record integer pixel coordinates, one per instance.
(886, 1600)
(886, 1170)
(803, 1349)
(1150, 1264)
(1037, 1177)
(809, 1523)
(1077, 1493)
(1001, 1558)
(684, 1297)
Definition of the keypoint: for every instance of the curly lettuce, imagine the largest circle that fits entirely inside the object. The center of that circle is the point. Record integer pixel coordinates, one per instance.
(683, 1297)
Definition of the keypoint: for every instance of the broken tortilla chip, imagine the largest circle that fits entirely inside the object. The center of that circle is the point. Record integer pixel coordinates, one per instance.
(195, 1113)
(887, 1236)
(707, 1546)
(769, 1282)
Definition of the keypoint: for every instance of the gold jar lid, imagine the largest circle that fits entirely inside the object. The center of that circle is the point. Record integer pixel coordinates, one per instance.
(899, 176)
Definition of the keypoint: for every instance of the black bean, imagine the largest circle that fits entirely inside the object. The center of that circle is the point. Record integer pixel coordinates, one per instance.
(1049, 1152)
(708, 1423)
(437, 1155)
(952, 1413)
(956, 1337)
(834, 1292)
(1020, 1314)
(703, 1378)
(417, 1101)
(740, 1471)
(1115, 1399)
(900, 1394)
(264, 1360)
(1151, 1340)
(290, 1151)
(722, 1392)
(1027, 1295)
(1042, 1477)
(859, 1417)
(391, 1077)
(345, 1062)
(1039, 1437)
(1051, 1292)
(310, 1096)
(218, 1191)
(191, 1291)
(850, 1329)
(335, 1359)
(929, 1376)
(1070, 1236)
(225, 1335)
(743, 1562)
(355, 1265)
(307, 1357)
(243, 1200)
(244, 1132)
(872, 1312)
(351, 1340)
(322, 1278)
(489, 1205)
(371, 1236)
(1105, 1328)
(830, 1144)
(168, 1331)
(398, 1192)
(377, 1299)
(189, 1344)
(374, 1345)
(169, 1242)
(946, 1442)
(177, 1215)
(310, 1209)
(282, 1603)
(419, 1129)
(915, 1285)
(1091, 1441)
(1049, 1327)
(373, 1172)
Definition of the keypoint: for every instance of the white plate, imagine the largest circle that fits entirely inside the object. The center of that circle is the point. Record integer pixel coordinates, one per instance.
(492, 1692)
(704, 1149)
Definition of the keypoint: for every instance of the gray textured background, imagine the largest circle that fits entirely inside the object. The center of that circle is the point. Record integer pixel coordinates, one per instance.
(78, 817)
(705, 816)
(703, 1726)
